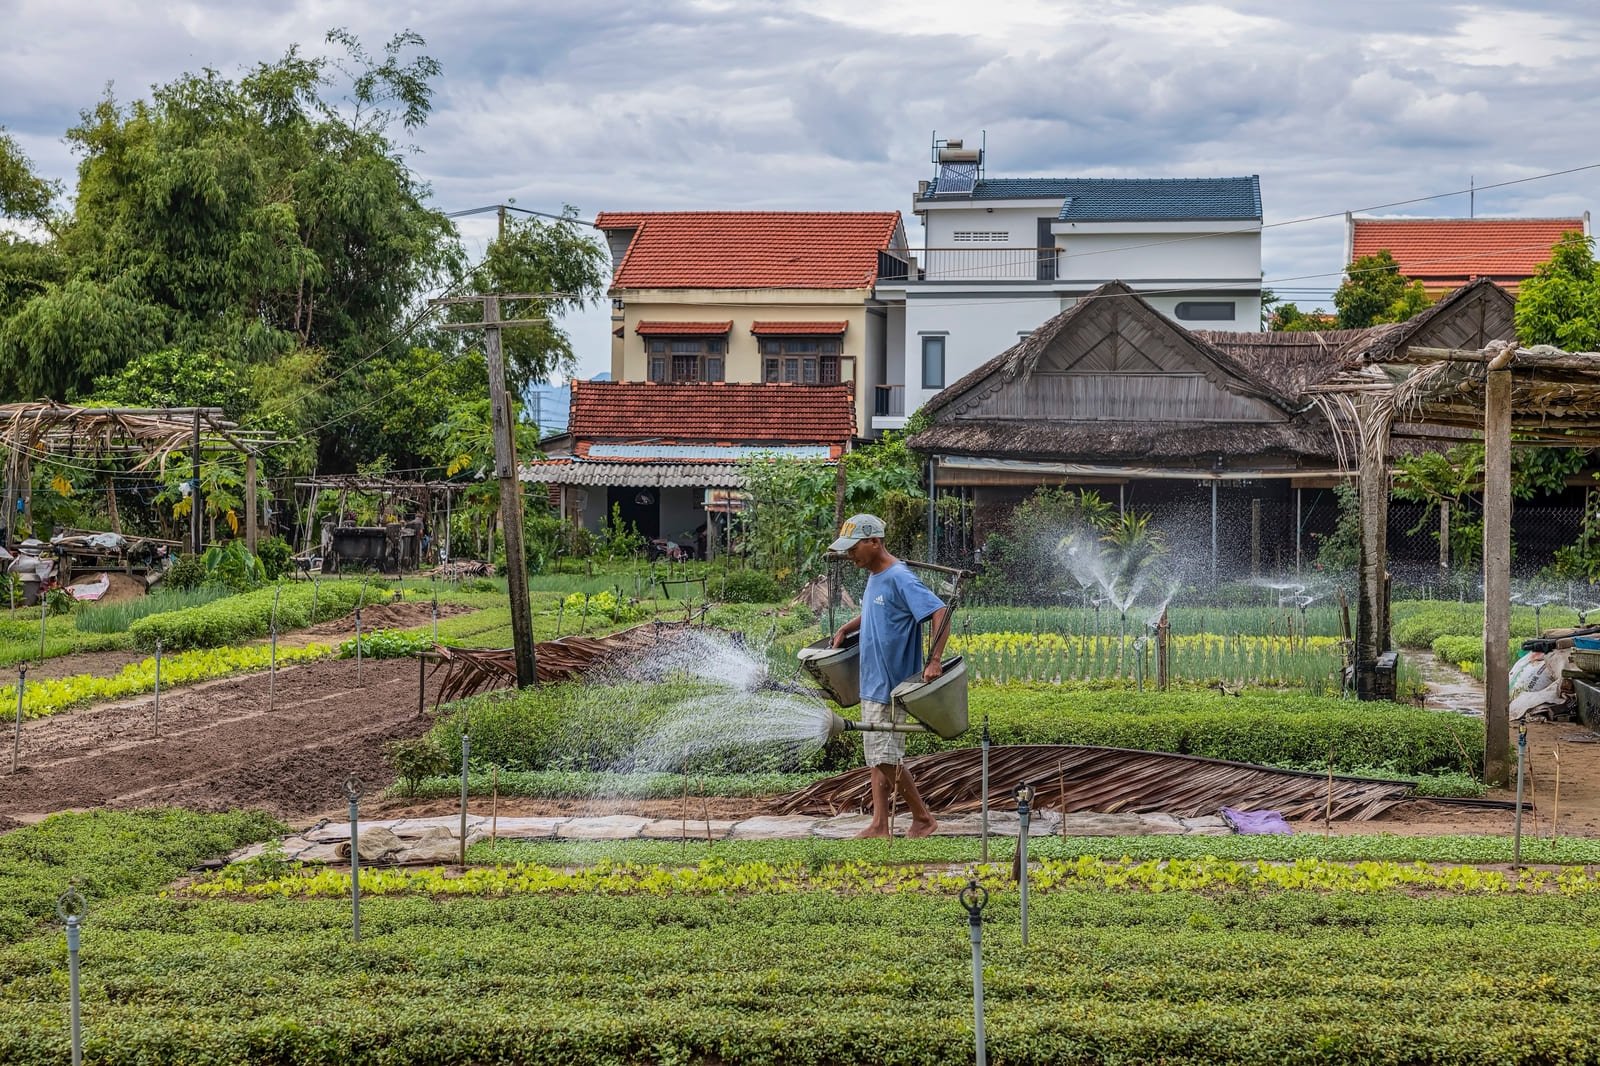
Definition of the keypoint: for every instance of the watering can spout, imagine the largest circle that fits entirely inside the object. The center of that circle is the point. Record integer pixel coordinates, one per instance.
(839, 724)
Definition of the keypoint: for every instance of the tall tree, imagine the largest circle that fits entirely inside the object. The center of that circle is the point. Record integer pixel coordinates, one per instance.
(1560, 304)
(1375, 291)
(249, 217)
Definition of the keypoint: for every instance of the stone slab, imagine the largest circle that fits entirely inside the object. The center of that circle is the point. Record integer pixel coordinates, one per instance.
(677, 829)
(1161, 825)
(1091, 824)
(603, 827)
(773, 827)
(1206, 821)
(519, 828)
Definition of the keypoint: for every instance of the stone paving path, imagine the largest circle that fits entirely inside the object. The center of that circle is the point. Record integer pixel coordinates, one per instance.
(1448, 688)
(440, 839)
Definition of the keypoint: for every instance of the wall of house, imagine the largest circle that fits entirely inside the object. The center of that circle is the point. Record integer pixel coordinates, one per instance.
(863, 339)
(975, 328)
(681, 514)
(1160, 255)
(1246, 308)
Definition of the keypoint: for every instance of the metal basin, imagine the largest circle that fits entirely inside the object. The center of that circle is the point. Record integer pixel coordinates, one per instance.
(940, 704)
(837, 671)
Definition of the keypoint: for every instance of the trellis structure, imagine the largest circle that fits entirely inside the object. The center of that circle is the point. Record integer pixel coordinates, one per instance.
(1542, 396)
(424, 495)
(149, 436)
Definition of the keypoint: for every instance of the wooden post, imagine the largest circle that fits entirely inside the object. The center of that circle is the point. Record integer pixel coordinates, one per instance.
(111, 504)
(1297, 495)
(1497, 572)
(505, 462)
(194, 488)
(1213, 532)
(1372, 614)
(1444, 542)
(250, 501)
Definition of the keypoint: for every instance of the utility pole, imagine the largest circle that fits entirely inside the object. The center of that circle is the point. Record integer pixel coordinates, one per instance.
(505, 470)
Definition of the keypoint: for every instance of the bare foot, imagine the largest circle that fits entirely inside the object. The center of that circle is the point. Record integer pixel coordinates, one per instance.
(921, 829)
(874, 830)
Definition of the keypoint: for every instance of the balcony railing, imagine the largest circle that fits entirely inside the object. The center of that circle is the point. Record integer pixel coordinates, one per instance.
(972, 264)
(888, 400)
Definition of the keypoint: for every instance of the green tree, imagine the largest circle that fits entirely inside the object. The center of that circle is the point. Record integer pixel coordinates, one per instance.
(249, 217)
(1560, 304)
(1375, 291)
(23, 194)
(554, 258)
(1288, 317)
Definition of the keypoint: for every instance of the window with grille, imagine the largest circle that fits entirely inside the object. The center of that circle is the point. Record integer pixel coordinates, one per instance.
(686, 358)
(984, 236)
(801, 360)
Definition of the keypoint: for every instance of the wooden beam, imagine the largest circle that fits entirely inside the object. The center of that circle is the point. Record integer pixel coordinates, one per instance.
(1372, 615)
(1497, 578)
(250, 510)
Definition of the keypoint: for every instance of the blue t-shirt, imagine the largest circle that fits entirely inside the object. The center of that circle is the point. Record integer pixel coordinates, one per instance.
(892, 612)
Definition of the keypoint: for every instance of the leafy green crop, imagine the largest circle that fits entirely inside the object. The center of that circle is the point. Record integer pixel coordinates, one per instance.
(57, 694)
(387, 644)
(249, 615)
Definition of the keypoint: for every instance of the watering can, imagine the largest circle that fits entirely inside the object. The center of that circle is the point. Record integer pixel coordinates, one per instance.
(938, 706)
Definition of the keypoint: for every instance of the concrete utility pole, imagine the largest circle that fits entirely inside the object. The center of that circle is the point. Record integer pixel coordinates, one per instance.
(505, 470)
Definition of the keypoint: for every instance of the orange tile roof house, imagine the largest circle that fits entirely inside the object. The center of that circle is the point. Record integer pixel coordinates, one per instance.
(666, 454)
(1445, 253)
(751, 296)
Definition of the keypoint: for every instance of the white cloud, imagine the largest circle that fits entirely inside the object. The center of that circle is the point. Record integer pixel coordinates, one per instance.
(829, 103)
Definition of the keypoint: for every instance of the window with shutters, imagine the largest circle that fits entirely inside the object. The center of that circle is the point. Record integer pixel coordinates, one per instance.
(686, 358)
(801, 360)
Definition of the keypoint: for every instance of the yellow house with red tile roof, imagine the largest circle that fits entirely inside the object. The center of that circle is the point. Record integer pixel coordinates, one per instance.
(752, 296)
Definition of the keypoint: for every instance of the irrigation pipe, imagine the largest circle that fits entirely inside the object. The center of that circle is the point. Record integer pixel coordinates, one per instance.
(1024, 811)
(974, 898)
(71, 908)
(1516, 839)
(272, 669)
(16, 741)
(155, 712)
(352, 791)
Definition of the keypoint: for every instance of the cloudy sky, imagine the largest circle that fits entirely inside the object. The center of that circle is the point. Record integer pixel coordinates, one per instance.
(830, 104)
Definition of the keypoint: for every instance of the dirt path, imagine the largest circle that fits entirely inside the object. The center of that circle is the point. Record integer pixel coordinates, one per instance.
(220, 748)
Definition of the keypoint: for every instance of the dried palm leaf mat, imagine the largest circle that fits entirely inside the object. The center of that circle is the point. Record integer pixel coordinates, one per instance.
(1071, 777)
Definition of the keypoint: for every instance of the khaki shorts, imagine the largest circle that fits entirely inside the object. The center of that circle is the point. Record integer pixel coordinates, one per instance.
(883, 749)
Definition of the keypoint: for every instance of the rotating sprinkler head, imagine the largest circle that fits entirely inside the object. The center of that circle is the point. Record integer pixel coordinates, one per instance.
(1024, 796)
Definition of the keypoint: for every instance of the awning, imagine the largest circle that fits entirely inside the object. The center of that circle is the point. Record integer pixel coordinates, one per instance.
(798, 329)
(683, 329)
(634, 475)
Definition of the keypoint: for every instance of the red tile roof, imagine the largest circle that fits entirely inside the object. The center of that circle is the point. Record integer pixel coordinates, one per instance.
(684, 329)
(724, 412)
(798, 329)
(750, 249)
(1456, 250)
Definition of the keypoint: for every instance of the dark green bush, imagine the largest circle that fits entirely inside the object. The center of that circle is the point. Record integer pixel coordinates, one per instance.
(186, 572)
(276, 557)
(747, 586)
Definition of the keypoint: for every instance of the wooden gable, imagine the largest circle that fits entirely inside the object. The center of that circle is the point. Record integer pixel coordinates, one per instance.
(1115, 358)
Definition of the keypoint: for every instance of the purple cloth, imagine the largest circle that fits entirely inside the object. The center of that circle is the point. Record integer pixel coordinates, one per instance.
(1255, 821)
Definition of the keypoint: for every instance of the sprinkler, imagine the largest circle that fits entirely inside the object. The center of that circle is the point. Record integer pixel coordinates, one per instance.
(1522, 757)
(72, 908)
(983, 777)
(352, 792)
(974, 898)
(1024, 810)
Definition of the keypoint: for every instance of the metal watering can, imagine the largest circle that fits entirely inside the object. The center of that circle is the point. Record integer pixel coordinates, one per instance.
(938, 706)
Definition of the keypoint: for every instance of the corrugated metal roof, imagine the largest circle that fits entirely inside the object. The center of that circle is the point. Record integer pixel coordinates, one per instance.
(1130, 199)
(633, 475)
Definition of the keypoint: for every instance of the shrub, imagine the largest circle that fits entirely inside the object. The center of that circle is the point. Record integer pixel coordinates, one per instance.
(749, 586)
(415, 760)
(386, 644)
(276, 557)
(186, 572)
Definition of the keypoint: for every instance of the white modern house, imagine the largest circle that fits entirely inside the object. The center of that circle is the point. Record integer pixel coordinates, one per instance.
(1003, 255)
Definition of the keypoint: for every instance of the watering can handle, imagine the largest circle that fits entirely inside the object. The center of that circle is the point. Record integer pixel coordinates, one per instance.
(960, 577)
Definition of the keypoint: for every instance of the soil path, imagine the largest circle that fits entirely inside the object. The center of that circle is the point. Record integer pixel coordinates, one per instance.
(220, 748)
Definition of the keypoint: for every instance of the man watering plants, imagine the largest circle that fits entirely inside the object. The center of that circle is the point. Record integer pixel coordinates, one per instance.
(894, 608)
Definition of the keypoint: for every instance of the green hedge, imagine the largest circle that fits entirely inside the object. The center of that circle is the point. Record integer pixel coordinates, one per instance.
(576, 727)
(109, 854)
(809, 978)
(249, 615)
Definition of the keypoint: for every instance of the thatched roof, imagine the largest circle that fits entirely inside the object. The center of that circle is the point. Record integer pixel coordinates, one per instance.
(1294, 360)
(1221, 368)
(1197, 444)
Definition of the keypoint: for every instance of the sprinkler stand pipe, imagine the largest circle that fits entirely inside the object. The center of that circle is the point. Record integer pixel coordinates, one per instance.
(156, 709)
(16, 740)
(71, 909)
(358, 645)
(1024, 811)
(974, 898)
(466, 752)
(352, 791)
(1522, 753)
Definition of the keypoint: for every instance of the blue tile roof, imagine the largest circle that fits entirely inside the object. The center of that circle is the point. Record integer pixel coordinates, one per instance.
(1129, 199)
